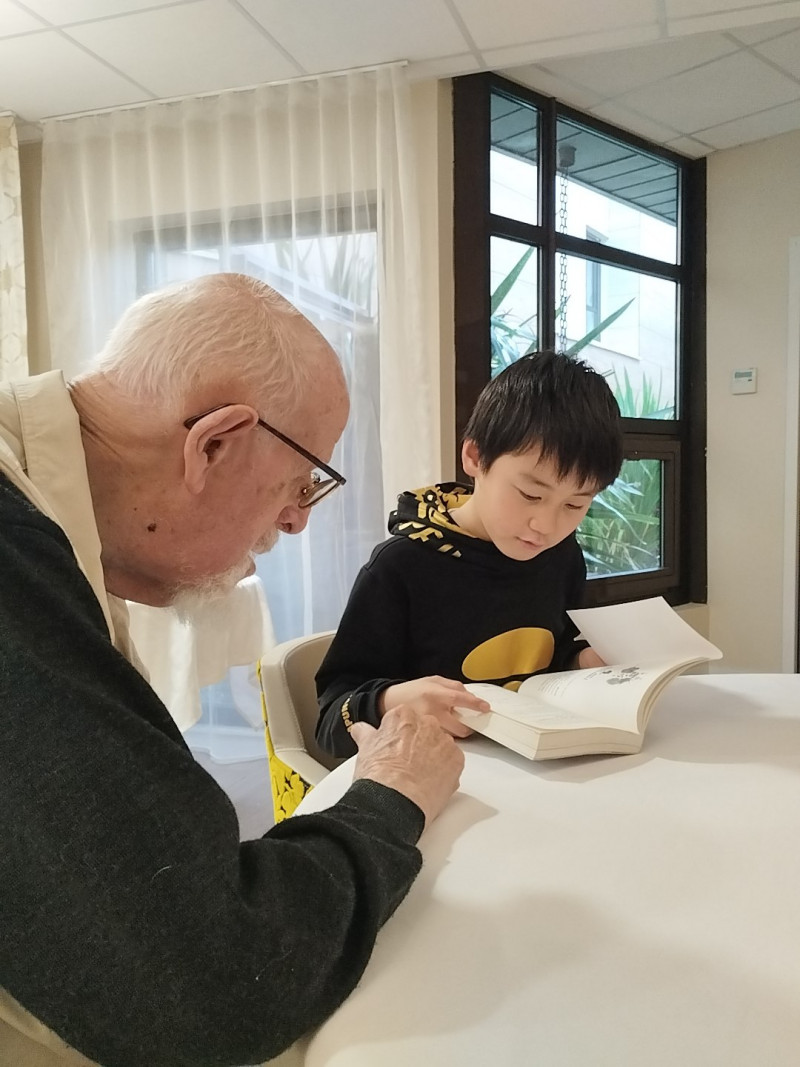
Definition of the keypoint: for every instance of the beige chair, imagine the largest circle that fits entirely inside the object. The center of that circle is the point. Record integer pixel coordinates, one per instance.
(287, 679)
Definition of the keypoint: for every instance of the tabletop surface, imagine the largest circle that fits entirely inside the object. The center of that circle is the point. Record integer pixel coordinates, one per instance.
(620, 910)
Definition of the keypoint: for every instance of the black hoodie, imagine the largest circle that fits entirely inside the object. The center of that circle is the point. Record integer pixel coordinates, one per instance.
(433, 599)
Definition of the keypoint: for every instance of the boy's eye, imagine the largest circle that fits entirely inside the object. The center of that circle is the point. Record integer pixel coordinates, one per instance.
(527, 496)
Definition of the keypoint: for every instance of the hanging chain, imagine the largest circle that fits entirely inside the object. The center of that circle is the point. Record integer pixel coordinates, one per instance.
(561, 308)
(566, 160)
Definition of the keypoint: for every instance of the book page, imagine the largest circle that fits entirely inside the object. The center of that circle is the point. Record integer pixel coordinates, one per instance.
(617, 696)
(528, 708)
(643, 630)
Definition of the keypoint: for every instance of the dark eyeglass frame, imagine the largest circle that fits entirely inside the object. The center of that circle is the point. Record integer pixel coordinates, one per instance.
(319, 488)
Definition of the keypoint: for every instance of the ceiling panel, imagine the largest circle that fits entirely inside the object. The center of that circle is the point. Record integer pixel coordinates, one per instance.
(718, 92)
(550, 84)
(63, 12)
(643, 125)
(14, 20)
(764, 31)
(611, 74)
(576, 45)
(523, 21)
(82, 80)
(785, 51)
(688, 146)
(684, 8)
(770, 123)
(355, 33)
(190, 48)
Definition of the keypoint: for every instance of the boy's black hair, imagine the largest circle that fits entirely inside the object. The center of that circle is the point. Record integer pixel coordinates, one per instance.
(555, 403)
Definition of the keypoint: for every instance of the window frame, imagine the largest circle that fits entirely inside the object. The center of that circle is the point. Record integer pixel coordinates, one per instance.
(684, 579)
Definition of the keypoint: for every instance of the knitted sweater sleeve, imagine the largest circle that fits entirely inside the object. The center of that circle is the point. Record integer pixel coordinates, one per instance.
(135, 924)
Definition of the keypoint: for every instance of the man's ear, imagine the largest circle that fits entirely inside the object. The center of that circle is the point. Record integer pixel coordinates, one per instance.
(213, 440)
(471, 459)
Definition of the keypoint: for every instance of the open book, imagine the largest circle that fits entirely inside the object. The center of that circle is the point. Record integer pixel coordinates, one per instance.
(602, 709)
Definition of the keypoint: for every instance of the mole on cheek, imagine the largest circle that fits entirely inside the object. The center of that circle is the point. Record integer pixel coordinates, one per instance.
(152, 527)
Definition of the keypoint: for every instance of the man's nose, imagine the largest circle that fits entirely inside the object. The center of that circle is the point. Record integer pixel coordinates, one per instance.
(293, 519)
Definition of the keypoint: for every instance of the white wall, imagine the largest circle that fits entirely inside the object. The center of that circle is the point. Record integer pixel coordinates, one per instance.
(753, 213)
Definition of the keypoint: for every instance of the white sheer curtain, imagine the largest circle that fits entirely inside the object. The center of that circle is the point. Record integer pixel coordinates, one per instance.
(312, 186)
(13, 320)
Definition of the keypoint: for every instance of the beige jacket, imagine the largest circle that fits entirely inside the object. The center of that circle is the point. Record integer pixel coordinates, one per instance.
(42, 454)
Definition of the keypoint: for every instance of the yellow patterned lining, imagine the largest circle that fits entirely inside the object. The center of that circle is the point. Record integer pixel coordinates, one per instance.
(288, 788)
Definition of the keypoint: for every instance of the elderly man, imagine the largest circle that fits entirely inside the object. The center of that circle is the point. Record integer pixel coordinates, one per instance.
(136, 930)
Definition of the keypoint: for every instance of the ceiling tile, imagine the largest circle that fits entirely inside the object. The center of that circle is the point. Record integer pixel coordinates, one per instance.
(81, 83)
(730, 19)
(523, 21)
(755, 127)
(688, 146)
(684, 8)
(633, 122)
(578, 44)
(355, 33)
(14, 20)
(190, 49)
(543, 81)
(736, 85)
(613, 73)
(764, 31)
(63, 12)
(785, 51)
(445, 67)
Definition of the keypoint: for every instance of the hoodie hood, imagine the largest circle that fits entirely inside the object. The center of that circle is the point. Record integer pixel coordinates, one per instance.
(424, 515)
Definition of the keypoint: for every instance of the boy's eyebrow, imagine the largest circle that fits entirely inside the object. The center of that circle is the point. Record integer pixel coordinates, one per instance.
(535, 480)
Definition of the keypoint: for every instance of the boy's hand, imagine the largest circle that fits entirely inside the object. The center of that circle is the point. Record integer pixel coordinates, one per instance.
(434, 696)
(587, 657)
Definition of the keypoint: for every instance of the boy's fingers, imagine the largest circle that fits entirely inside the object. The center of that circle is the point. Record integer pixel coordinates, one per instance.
(361, 732)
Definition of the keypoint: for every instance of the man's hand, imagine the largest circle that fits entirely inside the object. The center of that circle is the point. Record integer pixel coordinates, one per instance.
(434, 696)
(412, 754)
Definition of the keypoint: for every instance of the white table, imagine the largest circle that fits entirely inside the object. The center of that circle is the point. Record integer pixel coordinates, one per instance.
(624, 911)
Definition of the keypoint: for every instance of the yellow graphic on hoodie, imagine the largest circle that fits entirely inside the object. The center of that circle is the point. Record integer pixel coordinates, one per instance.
(509, 658)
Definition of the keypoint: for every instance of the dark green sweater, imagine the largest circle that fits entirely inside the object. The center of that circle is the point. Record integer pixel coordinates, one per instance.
(134, 923)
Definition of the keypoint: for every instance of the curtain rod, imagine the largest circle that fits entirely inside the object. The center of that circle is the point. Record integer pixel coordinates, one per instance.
(225, 92)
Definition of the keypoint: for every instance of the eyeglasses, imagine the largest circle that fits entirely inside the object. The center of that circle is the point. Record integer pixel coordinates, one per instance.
(319, 487)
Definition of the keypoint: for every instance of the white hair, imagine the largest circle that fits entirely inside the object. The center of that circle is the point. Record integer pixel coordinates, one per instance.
(227, 333)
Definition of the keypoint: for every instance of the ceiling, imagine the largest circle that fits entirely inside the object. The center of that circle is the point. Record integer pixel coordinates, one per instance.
(696, 75)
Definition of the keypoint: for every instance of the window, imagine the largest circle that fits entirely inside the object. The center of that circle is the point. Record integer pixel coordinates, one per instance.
(594, 298)
(573, 235)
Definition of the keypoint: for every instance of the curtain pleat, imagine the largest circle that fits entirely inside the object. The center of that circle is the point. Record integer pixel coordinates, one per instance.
(13, 320)
(311, 185)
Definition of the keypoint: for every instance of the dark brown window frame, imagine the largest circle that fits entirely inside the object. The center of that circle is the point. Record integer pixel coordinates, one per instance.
(683, 576)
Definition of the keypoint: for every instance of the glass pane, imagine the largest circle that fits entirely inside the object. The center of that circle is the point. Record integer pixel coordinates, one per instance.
(624, 324)
(514, 159)
(614, 193)
(621, 533)
(514, 302)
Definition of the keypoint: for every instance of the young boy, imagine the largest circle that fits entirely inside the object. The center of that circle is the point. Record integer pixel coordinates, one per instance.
(474, 583)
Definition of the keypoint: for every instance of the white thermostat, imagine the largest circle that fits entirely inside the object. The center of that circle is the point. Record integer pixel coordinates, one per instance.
(745, 380)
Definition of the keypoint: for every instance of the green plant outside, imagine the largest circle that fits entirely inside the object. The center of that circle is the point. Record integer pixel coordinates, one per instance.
(621, 533)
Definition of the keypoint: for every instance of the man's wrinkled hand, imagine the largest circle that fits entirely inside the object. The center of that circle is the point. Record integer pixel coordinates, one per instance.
(411, 753)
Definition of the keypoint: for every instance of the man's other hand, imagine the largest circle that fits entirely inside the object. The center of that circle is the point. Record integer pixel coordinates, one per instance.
(412, 754)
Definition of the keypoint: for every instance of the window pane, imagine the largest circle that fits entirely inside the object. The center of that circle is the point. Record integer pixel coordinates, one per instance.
(624, 324)
(624, 195)
(514, 301)
(621, 533)
(513, 160)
